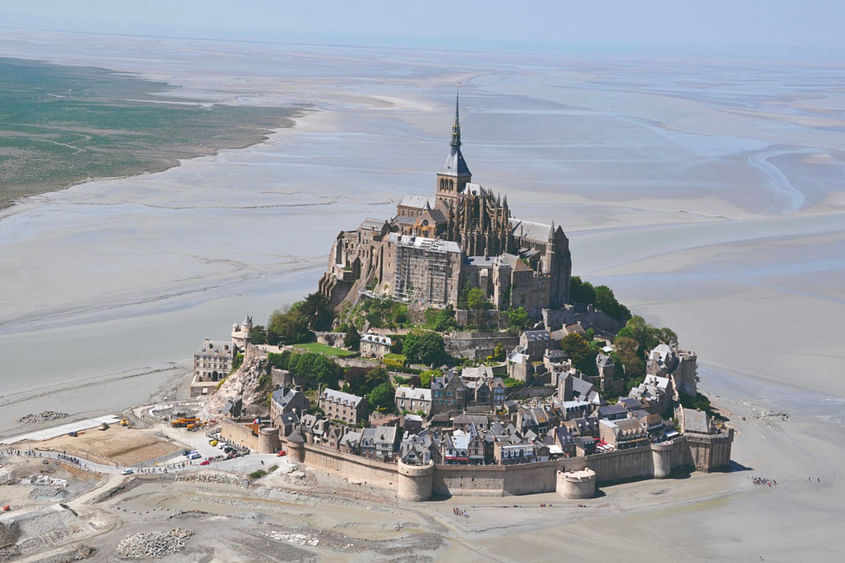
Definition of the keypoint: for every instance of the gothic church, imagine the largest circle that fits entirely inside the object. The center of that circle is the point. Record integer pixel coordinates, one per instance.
(433, 247)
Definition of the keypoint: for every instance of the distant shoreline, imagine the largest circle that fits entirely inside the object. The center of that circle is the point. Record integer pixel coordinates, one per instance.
(69, 125)
(163, 166)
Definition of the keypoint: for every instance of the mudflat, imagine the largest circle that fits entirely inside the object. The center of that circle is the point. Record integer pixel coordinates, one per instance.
(61, 124)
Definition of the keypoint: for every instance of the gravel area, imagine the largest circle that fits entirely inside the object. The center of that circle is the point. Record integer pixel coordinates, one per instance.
(43, 416)
(79, 553)
(153, 545)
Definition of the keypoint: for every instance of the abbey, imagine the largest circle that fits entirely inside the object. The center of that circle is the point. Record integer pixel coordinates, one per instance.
(434, 246)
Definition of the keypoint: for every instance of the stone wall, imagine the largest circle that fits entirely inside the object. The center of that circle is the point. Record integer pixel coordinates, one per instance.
(481, 344)
(355, 468)
(589, 318)
(413, 482)
(238, 433)
(334, 339)
(710, 452)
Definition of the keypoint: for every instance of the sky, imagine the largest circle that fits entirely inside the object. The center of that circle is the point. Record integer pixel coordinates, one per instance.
(779, 27)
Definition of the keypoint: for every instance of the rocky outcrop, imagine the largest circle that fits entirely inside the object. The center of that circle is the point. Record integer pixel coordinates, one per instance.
(250, 384)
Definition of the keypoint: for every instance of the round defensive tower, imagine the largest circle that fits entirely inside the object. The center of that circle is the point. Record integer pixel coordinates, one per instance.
(661, 457)
(576, 484)
(268, 440)
(415, 481)
(296, 447)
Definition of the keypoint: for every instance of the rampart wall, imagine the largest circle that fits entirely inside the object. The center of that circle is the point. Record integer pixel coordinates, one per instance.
(238, 433)
(355, 468)
(654, 461)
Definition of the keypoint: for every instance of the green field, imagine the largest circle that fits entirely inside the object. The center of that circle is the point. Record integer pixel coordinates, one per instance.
(62, 124)
(324, 349)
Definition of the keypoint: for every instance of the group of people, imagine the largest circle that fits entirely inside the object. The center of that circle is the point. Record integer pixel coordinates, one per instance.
(69, 459)
(459, 512)
(764, 481)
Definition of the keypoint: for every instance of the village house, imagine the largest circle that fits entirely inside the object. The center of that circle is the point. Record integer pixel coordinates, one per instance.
(286, 400)
(535, 343)
(413, 400)
(374, 346)
(571, 388)
(448, 393)
(212, 362)
(380, 442)
(624, 433)
(345, 407)
(519, 366)
(613, 412)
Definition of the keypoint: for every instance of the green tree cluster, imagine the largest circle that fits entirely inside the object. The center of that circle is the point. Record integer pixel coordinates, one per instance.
(581, 351)
(518, 320)
(257, 335)
(363, 383)
(382, 398)
(601, 296)
(295, 325)
(424, 346)
(427, 375)
(352, 339)
(311, 366)
(499, 352)
(441, 320)
(633, 343)
(380, 313)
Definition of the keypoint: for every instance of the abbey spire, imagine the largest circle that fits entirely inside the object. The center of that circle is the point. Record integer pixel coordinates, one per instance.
(454, 174)
(456, 126)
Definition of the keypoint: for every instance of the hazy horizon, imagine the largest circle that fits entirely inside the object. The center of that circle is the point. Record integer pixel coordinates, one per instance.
(777, 29)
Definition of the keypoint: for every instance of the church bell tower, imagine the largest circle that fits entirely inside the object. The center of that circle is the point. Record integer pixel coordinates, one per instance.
(454, 173)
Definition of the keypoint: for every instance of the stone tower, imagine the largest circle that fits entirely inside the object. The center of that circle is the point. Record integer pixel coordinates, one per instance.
(454, 174)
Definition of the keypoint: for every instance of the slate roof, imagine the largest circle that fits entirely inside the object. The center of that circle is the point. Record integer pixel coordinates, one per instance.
(612, 410)
(455, 165)
(417, 201)
(376, 339)
(416, 393)
(695, 421)
(341, 397)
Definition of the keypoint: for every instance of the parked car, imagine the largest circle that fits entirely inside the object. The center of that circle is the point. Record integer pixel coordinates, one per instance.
(281, 453)
(127, 471)
(205, 462)
(212, 442)
(194, 455)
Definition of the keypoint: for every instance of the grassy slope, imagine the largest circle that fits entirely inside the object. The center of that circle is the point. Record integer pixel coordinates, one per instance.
(60, 125)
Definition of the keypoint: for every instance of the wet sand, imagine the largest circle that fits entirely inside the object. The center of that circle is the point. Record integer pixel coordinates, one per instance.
(722, 224)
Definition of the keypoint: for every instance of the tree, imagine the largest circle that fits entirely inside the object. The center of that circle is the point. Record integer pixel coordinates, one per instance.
(580, 352)
(426, 376)
(257, 335)
(627, 352)
(575, 346)
(279, 361)
(315, 366)
(441, 320)
(316, 309)
(581, 291)
(518, 319)
(606, 301)
(476, 300)
(498, 352)
(424, 346)
(352, 340)
(290, 327)
(601, 296)
(382, 397)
